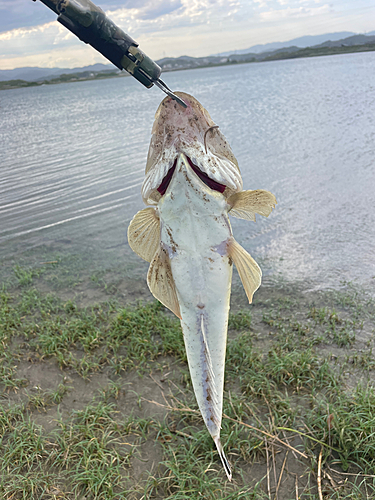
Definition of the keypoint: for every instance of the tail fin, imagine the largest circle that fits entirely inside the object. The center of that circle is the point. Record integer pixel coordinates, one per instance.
(223, 458)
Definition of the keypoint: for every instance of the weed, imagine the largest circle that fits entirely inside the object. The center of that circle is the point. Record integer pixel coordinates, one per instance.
(281, 389)
(239, 321)
(25, 276)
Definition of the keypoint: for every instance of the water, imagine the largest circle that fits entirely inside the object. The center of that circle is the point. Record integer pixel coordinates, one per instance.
(72, 159)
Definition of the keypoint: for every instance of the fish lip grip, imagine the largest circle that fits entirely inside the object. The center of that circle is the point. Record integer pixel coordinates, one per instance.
(90, 24)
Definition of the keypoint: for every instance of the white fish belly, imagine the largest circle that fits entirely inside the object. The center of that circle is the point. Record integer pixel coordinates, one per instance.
(195, 230)
(204, 324)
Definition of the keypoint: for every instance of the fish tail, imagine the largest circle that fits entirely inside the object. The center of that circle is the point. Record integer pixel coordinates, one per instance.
(223, 458)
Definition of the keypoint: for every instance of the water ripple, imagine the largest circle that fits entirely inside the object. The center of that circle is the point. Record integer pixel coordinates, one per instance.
(73, 157)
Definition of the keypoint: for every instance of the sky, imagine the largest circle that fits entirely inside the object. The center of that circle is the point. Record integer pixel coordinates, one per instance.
(31, 36)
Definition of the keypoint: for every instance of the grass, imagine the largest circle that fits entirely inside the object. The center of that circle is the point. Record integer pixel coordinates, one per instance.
(97, 403)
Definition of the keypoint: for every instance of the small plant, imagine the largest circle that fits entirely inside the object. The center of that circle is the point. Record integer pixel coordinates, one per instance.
(239, 321)
(25, 276)
(286, 402)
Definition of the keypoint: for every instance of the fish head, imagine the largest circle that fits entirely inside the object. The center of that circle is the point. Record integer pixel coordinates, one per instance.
(192, 132)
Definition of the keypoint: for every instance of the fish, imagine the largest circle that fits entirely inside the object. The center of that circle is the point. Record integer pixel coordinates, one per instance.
(192, 182)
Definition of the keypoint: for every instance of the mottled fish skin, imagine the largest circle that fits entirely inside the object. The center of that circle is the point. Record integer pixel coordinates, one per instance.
(192, 181)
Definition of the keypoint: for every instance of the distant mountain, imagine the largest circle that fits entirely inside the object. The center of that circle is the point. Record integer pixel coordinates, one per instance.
(184, 62)
(187, 61)
(286, 51)
(349, 42)
(307, 46)
(301, 42)
(40, 74)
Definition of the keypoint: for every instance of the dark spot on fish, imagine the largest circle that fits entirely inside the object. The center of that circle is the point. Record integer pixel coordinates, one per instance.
(201, 306)
(188, 181)
(174, 245)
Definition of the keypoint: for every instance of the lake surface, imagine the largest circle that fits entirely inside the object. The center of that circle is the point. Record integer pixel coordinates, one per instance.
(72, 162)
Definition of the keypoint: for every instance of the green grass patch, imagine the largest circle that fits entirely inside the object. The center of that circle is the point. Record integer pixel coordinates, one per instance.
(299, 385)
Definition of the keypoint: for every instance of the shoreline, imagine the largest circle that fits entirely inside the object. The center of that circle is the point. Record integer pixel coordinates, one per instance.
(88, 282)
(300, 54)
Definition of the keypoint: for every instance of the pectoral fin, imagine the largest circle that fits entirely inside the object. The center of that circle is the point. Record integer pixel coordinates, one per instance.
(247, 268)
(144, 233)
(246, 204)
(161, 283)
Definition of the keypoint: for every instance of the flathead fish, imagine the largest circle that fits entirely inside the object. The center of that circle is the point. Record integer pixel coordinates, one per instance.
(192, 183)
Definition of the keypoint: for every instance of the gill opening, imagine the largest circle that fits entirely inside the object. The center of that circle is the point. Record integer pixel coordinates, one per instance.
(214, 185)
(167, 179)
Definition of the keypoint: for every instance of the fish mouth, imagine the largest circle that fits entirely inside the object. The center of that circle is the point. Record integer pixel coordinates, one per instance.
(192, 132)
(211, 183)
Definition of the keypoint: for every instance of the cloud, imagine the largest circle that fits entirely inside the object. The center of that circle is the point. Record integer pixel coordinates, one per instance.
(165, 15)
(23, 13)
(58, 58)
(38, 39)
(177, 26)
(158, 8)
(173, 27)
(293, 13)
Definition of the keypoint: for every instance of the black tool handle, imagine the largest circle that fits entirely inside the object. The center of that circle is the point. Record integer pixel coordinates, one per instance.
(90, 24)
